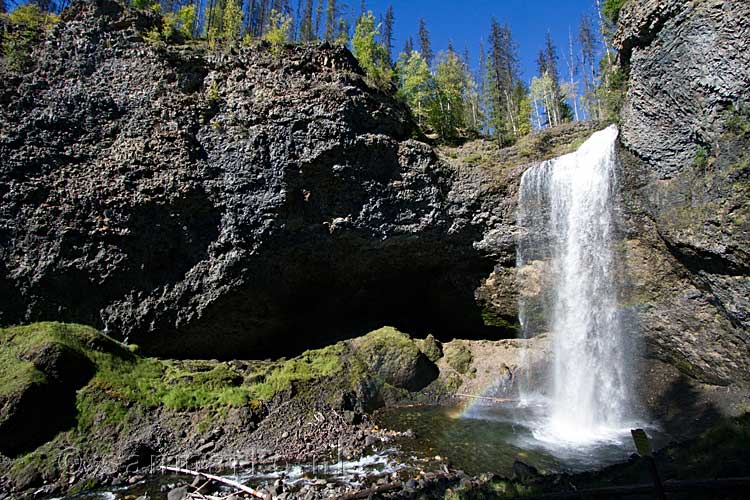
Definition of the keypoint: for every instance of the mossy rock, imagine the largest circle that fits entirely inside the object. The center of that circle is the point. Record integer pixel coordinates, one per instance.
(459, 358)
(431, 347)
(41, 368)
(396, 359)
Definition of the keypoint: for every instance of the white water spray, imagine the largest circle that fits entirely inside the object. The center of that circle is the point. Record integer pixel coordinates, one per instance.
(567, 267)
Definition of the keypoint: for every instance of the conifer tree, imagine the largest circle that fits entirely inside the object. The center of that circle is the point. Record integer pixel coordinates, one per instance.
(424, 42)
(387, 37)
(409, 46)
(342, 38)
(279, 27)
(556, 108)
(318, 19)
(306, 24)
(232, 20)
(571, 90)
(502, 85)
(586, 42)
(331, 12)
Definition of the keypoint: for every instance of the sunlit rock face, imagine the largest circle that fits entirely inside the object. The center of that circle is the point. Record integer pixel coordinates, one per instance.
(685, 170)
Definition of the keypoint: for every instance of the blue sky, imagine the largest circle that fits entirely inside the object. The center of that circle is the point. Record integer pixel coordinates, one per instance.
(468, 21)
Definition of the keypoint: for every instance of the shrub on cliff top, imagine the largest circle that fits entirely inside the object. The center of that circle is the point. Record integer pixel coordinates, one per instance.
(26, 26)
(176, 26)
(611, 9)
(278, 32)
(372, 56)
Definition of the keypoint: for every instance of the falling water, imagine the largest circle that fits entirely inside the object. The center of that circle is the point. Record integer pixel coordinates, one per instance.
(567, 267)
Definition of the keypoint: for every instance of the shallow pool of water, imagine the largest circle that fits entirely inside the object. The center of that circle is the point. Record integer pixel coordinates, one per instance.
(490, 438)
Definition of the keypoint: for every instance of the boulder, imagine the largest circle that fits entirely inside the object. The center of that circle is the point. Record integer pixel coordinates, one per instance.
(395, 359)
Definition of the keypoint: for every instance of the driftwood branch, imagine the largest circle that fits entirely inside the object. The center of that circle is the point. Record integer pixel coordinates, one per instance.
(487, 398)
(219, 479)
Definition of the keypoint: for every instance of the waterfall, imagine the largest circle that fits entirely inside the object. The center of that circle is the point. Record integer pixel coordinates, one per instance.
(567, 265)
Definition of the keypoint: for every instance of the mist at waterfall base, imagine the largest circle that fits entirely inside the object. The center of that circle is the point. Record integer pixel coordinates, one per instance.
(575, 411)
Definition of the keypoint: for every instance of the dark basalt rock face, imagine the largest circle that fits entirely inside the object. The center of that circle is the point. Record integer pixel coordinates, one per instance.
(226, 203)
(686, 182)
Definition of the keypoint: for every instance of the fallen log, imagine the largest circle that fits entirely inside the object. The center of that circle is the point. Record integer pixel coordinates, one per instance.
(219, 479)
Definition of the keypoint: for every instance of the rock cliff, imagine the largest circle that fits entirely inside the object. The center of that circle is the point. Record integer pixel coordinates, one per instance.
(228, 203)
(686, 179)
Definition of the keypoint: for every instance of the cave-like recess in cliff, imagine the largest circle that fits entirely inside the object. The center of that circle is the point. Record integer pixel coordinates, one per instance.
(311, 296)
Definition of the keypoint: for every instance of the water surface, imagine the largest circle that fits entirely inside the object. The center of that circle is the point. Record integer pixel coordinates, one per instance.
(490, 438)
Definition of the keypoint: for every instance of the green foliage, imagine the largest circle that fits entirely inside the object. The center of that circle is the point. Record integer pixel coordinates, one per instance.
(446, 103)
(175, 26)
(146, 4)
(524, 115)
(312, 365)
(152, 36)
(232, 21)
(737, 120)
(611, 10)
(702, 155)
(416, 85)
(183, 21)
(26, 26)
(372, 56)
(446, 115)
(343, 36)
(431, 348)
(18, 342)
(278, 34)
(459, 358)
(611, 93)
(213, 92)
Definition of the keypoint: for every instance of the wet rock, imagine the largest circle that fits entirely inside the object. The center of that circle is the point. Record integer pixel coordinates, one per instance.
(178, 493)
(524, 472)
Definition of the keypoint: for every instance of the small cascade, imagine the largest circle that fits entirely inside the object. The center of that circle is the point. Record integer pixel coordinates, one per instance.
(567, 264)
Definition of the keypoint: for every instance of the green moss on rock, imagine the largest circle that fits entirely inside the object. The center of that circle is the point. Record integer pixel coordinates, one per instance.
(396, 359)
(431, 348)
(459, 358)
(490, 318)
